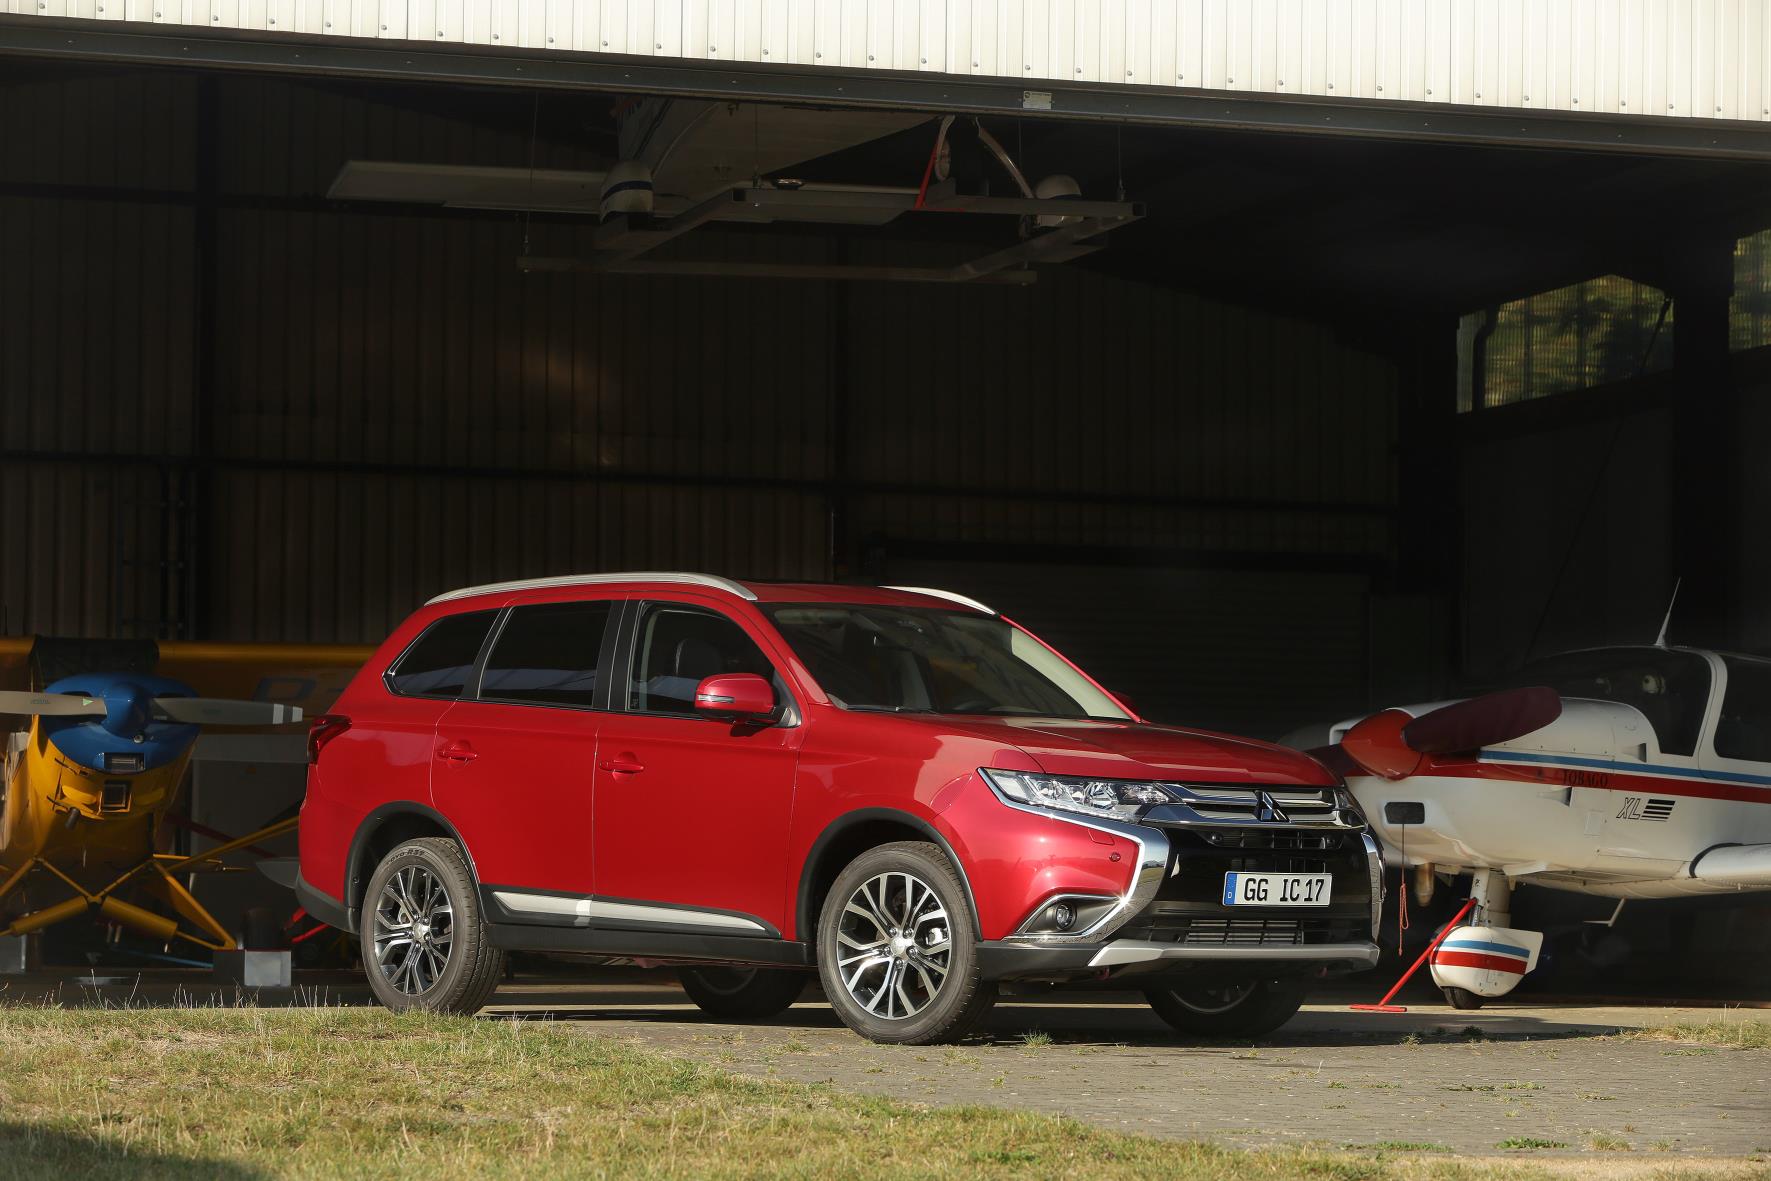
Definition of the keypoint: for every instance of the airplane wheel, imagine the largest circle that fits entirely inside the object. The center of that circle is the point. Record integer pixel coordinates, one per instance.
(424, 943)
(1463, 998)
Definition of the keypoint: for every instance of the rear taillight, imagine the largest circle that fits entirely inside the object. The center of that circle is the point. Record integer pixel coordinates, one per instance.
(324, 729)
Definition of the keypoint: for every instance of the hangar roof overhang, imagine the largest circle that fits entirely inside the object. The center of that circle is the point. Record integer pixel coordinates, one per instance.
(1345, 209)
(1652, 76)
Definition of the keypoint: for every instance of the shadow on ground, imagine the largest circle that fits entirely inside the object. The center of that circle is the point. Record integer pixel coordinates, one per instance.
(1067, 1025)
(36, 1152)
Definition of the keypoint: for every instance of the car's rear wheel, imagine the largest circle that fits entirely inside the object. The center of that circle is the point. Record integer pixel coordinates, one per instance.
(423, 940)
(743, 994)
(898, 950)
(1248, 1008)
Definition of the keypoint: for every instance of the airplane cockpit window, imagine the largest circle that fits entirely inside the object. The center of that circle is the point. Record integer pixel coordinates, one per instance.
(440, 661)
(1671, 688)
(1744, 729)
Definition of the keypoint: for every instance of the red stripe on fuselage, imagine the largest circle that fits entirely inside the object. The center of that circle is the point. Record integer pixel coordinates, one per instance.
(1475, 959)
(1599, 780)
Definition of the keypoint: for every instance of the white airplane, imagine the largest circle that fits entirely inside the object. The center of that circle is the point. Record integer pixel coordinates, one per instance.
(1626, 772)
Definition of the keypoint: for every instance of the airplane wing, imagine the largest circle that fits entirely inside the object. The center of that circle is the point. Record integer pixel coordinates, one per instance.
(310, 676)
(1740, 865)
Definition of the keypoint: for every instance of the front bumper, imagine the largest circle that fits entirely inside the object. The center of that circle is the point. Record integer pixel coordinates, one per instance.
(1015, 960)
(1172, 917)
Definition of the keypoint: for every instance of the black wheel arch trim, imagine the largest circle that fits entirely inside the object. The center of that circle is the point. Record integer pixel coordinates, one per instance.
(356, 872)
(806, 906)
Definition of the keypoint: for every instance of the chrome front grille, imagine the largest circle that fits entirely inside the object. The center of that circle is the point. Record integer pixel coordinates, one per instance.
(1281, 840)
(1278, 805)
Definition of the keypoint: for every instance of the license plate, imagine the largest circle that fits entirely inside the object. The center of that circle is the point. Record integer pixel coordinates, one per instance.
(1277, 889)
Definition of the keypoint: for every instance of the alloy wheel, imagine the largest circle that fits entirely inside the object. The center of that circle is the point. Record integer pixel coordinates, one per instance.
(414, 930)
(894, 945)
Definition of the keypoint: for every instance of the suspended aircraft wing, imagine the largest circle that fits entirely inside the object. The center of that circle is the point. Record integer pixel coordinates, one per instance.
(307, 676)
(1740, 865)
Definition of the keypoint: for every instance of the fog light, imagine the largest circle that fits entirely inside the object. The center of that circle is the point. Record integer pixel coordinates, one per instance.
(1063, 916)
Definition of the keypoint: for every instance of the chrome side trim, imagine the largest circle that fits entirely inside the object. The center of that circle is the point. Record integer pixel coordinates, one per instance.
(950, 596)
(552, 905)
(582, 910)
(675, 577)
(1136, 951)
(1153, 850)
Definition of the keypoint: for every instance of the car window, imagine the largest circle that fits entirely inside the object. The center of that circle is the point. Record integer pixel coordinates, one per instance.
(676, 646)
(1744, 729)
(546, 654)
(439, 662)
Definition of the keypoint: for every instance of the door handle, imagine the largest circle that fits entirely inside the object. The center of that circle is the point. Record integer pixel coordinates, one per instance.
(623, 765)
(458, 752)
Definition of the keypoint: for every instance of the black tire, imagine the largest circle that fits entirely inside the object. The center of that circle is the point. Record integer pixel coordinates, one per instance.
(1463, 998)
(938, 947)
(456, 974)
(743, 994)
(1246, 1009)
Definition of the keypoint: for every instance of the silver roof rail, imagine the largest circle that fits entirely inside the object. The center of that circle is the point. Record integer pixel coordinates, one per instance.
(943, 594)
(672, 576)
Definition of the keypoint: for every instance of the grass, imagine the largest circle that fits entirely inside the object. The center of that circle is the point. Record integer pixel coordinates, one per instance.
(243, 1094)
(1731, 1030)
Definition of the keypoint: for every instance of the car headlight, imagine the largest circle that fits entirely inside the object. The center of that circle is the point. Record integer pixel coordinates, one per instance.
(1115, 799)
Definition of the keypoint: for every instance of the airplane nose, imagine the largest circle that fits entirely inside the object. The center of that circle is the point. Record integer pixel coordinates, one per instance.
(126, 709)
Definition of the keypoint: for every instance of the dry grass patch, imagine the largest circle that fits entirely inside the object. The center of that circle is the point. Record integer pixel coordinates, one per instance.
(243, 1094)
(1731, 1029)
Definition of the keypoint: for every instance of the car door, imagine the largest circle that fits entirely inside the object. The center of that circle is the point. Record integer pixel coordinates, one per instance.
(515, 757)
(691, 811)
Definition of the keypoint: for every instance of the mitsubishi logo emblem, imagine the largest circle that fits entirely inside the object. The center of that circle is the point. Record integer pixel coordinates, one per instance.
(1266, 809)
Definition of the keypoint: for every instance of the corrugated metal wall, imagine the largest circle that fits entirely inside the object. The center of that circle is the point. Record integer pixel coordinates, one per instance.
(1652, 58)
(385, 407)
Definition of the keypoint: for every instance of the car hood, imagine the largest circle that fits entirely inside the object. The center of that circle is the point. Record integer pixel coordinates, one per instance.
(1139, 750)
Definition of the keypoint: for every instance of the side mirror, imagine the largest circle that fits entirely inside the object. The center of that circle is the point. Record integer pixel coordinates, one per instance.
(743, 696)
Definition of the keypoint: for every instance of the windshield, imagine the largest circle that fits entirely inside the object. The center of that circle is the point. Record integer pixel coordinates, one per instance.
(1670, 688)
(930, 660)
(1743, 731)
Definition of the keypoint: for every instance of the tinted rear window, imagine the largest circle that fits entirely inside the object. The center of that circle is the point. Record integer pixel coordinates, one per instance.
(546, 654)
(439, 662)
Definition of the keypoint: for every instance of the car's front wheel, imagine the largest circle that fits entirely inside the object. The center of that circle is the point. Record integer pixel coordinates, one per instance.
(424, 943)
(743, 994)
(1248, 1008)
(898, 950)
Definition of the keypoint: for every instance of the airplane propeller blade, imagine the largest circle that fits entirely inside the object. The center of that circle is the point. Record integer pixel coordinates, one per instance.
(1483, 721)
(54, 705)
(1391, 744)
(219, 711)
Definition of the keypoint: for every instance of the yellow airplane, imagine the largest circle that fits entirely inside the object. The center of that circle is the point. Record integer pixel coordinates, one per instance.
(86, 785)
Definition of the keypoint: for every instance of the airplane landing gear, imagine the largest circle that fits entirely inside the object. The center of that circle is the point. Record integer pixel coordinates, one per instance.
(1462, 998)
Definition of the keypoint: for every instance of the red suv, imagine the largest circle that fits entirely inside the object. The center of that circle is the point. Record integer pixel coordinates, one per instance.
(897, 788)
